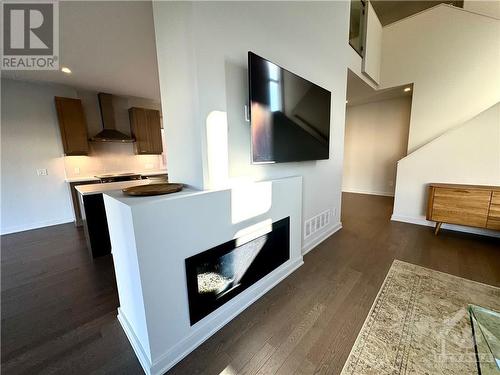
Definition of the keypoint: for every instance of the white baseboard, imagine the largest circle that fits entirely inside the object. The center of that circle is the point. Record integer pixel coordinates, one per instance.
(322, 237)
(134, 341)
(420, 220)
(209, 325)
(36, 225)
(369, 192)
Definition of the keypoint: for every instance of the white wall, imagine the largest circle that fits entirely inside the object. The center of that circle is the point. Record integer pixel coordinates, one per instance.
(202, 58)
(174, 30)
(469, 154)
(355, 63)
(452, 57)
(373, 45)
(376, 136)
(31, 140)
(490, 8)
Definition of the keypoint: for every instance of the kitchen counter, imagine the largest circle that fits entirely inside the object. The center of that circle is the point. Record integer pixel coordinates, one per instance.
(93, 213)
(109, 186)
(146, 173)
(81, 179)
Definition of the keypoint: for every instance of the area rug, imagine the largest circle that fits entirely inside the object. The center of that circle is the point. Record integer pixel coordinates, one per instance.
(419, 324)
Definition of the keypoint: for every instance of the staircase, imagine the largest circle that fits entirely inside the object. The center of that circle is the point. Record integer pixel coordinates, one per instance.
(452, 57)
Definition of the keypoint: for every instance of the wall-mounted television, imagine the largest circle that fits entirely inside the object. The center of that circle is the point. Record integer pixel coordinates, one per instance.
(289, 115)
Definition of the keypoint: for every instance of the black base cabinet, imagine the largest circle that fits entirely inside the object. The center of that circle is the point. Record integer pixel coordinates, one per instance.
(95, 225)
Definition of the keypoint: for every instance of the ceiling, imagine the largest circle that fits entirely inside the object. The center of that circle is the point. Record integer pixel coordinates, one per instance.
(108, 45)
(389, 11)
(359, 92)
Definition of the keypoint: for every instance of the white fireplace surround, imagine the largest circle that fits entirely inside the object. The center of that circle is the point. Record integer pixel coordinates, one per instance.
(152, 236)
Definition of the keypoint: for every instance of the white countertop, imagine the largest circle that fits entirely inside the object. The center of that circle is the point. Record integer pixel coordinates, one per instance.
(81, 179)
(133, 201)
(148, 172)
(109, 186)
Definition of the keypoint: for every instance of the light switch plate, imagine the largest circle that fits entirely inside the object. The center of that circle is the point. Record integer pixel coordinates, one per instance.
(41, 172)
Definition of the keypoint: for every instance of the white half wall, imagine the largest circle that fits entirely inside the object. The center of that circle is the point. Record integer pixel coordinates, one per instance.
(468, 154)
(150, 244)
(452, 57)
(202, 58)
(376, 136)
(31, 141)
(373, 45)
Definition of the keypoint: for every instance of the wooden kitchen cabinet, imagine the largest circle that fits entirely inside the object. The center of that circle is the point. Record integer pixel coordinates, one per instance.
(73, 126)
(470, 205)
(145, 126)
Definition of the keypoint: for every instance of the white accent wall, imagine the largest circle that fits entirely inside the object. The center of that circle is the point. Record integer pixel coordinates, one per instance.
(376, 136)
(468, 154)
(31, 140)
(202, 59)
(452, 57)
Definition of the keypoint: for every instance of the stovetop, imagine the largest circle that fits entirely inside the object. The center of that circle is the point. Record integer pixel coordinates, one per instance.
(117, 175)
(114, 177)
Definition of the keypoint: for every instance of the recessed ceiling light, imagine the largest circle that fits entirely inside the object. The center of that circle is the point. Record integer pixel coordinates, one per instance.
(66, 70)
(407, 89)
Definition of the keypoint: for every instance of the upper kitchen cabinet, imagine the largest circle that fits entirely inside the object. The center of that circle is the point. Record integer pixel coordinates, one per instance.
(73, 126)
(145, 125)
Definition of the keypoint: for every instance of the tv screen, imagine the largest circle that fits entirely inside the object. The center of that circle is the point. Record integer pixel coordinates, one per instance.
(290, 116)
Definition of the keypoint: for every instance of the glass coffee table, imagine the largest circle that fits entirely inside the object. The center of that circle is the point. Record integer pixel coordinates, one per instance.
(486, 331)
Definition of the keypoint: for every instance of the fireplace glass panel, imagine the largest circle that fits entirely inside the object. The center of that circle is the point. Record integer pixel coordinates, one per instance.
(219, 274)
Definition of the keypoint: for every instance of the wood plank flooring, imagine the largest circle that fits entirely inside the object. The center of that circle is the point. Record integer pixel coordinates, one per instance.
(59, 307)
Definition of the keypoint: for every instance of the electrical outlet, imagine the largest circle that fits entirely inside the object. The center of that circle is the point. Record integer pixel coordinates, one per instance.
(148, 166)
(317, 222)
(77, 170)
(42, 172)
(391, 183)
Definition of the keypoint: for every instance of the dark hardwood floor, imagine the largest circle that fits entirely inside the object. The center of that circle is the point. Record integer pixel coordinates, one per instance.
(59, 307)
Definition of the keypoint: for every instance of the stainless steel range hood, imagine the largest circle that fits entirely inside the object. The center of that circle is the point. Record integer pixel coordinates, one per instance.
(109, 132)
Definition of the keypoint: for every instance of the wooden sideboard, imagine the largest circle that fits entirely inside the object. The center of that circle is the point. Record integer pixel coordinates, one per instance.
(469, 205)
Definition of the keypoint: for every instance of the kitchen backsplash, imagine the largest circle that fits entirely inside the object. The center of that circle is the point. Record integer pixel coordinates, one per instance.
(111, 157)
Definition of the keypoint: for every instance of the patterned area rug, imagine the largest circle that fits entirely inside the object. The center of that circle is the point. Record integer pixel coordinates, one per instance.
(419, 324)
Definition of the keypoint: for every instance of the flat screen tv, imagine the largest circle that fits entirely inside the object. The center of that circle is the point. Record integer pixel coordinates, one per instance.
(290, 116)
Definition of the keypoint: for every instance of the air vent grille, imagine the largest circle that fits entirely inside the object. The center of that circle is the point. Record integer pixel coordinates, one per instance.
(317, 223)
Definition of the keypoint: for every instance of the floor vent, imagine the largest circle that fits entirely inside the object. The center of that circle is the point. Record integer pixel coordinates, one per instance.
(316, 223)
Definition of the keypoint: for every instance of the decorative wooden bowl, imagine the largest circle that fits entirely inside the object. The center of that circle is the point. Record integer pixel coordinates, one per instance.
(152, 189)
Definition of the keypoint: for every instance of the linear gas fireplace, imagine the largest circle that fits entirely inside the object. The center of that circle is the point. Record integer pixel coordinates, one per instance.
(220, 273)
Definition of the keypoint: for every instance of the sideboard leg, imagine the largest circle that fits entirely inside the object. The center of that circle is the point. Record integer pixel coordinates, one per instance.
(438, 227)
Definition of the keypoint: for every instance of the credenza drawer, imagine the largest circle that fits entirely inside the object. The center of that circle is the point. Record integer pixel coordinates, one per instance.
(461, 206)
(495, 198)
(471, 205)
(494, 217)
